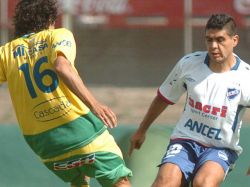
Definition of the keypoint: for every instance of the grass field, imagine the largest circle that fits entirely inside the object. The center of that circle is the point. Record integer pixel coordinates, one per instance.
(21, 168)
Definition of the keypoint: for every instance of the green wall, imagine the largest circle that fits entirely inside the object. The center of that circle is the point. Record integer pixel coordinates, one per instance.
(21, 168)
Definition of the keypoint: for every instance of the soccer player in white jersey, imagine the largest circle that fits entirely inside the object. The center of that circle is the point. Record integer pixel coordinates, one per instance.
(205, 142)
(60, 119)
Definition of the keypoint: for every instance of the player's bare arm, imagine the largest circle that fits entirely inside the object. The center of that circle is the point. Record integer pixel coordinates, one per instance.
(71, 78)
(157, 106)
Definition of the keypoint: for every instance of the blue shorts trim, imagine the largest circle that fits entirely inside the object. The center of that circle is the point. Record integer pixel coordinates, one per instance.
(190, 156)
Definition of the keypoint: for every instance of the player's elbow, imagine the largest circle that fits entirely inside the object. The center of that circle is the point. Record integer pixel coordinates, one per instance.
(61, 65)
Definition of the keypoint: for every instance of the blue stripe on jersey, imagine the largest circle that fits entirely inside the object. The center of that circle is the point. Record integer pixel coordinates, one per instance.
(235, 67)
(206, 61)
(240, 107)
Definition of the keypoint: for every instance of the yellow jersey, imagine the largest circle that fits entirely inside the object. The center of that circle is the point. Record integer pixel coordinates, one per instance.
(41, 100)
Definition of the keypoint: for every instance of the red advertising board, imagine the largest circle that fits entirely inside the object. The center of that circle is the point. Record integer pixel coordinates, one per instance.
(135, 13)
(166, 13)
(149, 13)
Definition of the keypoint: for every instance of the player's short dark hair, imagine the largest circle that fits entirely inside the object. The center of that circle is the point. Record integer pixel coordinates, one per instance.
(222, 21)
(34, 16)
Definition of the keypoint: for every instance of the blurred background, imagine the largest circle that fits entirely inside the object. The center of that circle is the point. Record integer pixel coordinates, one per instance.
(125, 49)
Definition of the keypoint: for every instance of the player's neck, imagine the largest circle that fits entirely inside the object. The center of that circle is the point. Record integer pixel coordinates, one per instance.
(223, 66)
(52, 26)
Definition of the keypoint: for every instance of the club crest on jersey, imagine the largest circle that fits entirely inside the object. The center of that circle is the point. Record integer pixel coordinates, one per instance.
(232, 93)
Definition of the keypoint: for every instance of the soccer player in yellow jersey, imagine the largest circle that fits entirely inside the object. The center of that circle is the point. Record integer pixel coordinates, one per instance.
(60, 119)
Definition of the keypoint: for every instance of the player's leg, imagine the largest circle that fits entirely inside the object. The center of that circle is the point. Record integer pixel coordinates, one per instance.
(123, 182)
(169, 175)
(109, 166)
(72, 185)
(248, 171)
(100, 159)
(213, 166)
(84, 185)
(81, 182)
(211, 174)
(177, 165)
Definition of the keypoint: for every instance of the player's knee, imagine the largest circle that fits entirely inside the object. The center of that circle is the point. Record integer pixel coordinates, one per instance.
(205, 181)
(123, 182)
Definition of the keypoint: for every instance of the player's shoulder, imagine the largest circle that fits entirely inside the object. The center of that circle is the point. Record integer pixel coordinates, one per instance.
(197, 56)
(60, 31)
(193, 59)
(7, 47)
(242, 65)
(1, 50)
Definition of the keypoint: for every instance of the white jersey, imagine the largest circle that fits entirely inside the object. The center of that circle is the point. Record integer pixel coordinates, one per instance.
(215, 102)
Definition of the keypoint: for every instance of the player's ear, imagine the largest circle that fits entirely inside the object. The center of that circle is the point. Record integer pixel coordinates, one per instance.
(236, 39)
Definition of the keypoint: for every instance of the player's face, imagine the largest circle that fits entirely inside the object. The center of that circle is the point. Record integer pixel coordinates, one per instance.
(220, 45)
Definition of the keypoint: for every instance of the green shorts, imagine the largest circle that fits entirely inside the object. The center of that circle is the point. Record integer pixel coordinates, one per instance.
(101, 159)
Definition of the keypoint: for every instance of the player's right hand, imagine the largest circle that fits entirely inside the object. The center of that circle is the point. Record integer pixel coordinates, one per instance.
(136, 141)
(107, 116)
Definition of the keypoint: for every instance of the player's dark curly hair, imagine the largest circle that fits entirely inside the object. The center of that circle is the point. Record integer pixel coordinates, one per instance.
(34, 16)
(221, 21)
